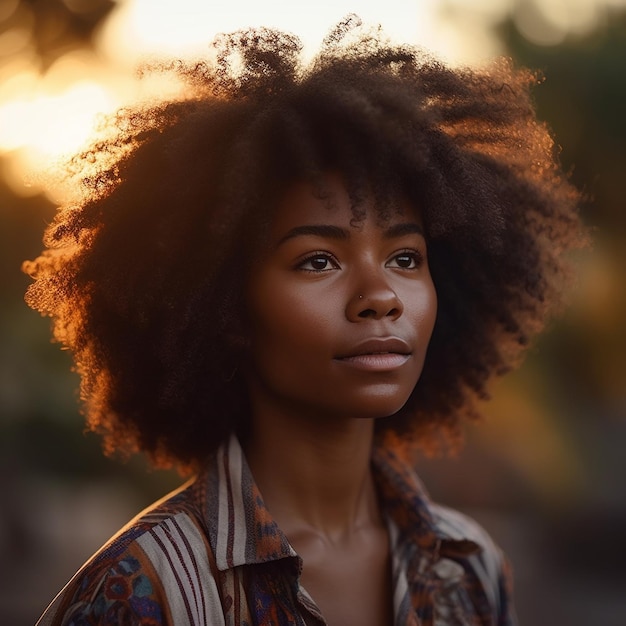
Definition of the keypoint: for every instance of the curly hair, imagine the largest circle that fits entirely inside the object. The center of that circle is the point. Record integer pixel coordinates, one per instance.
(144, 277)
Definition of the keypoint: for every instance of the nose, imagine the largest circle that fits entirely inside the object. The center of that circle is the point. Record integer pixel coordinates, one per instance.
(376, 303)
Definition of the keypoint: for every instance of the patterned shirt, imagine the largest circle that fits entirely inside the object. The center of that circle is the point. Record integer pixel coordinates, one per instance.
(210, 554)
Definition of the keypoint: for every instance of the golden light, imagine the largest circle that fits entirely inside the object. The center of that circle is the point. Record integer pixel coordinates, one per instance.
(146, 27)
(42, 124)
(43, 117)
(47, 127)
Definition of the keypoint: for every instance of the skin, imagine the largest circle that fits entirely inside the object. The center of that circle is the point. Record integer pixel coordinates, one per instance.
(341, 316)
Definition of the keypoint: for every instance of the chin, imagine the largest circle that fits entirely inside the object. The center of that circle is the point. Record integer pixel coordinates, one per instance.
(381, 407)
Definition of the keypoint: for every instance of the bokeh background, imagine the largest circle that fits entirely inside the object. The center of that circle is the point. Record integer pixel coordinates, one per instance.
(544, 471)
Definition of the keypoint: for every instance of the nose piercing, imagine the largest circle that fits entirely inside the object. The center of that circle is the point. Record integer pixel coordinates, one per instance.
(360, 297)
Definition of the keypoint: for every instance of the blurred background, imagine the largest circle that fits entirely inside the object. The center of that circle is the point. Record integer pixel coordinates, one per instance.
(544, 471)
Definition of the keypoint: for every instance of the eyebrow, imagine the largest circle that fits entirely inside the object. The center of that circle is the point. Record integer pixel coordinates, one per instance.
(319, 230)
(403, 228)
(329, 231)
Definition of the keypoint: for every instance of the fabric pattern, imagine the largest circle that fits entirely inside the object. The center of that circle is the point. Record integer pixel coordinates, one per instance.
(211, 554)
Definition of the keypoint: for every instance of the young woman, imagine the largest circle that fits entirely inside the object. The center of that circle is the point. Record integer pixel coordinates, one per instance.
(284, 283)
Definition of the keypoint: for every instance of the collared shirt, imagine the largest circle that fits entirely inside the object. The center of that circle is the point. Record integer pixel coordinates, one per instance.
(211, 554)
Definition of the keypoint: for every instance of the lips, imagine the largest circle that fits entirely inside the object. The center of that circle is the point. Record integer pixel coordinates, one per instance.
(378, 345)
(377, 355)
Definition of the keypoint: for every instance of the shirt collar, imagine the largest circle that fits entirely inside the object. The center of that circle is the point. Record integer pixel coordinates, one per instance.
(406, 502)
(242, 531)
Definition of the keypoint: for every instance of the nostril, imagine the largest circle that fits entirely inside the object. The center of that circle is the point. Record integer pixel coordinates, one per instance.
(367, 313)
(393, 312)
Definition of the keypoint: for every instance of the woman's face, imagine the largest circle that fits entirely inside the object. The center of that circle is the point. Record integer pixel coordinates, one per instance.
(341, 312)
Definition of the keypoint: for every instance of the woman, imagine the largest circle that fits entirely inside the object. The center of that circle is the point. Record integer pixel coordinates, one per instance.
(285, 283)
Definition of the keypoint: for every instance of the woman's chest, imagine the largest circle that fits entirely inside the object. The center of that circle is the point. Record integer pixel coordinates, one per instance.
(351, 584)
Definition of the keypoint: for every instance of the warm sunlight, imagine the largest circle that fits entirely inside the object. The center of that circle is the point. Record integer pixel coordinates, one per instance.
(142, 27)
(44, 116)
(43, 119)
(52, 124)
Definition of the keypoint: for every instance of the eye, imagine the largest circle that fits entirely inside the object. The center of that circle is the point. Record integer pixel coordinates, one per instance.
(406, 260)
(318, 262)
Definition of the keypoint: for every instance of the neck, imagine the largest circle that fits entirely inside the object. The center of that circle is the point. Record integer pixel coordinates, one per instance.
(314, 474)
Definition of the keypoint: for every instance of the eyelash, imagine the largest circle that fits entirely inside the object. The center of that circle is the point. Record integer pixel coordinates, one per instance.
(415, 256)
(326, 256)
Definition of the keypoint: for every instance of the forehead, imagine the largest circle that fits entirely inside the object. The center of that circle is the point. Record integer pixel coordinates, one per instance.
(329, 202)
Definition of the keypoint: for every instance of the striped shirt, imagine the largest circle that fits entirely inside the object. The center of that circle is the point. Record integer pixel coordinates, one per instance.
(210, 554)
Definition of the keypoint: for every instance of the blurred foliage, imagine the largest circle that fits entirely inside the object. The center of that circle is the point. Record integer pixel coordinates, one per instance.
(40, 425)
(581, 365)
(583, 99)
(49, 27)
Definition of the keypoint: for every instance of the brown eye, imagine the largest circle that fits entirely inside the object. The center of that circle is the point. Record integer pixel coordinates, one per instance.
(318, 263)
(406, 260)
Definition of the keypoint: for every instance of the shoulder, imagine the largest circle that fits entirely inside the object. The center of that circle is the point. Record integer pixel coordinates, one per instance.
(135, 577)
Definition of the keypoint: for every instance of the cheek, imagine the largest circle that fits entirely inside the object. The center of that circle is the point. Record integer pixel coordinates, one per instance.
(291, 348)
(430, 310)
(421, 306)
(288, 322)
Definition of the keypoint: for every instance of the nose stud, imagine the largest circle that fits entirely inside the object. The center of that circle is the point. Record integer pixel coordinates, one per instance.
(360, 297)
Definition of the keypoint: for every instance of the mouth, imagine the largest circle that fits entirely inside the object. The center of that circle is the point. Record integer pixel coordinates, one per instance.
(377, 354)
